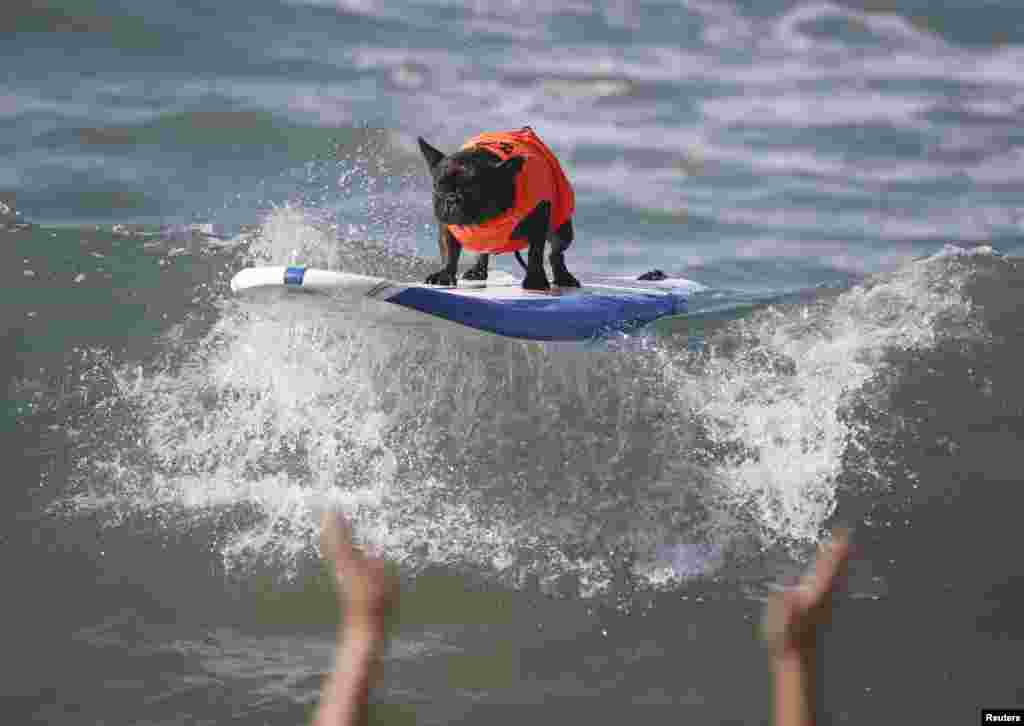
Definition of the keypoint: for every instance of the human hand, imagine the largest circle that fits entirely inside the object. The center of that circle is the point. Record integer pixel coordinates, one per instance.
(792, 617)
(366, 590)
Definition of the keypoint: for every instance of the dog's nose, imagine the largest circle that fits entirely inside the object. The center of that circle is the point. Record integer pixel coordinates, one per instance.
(449, 203)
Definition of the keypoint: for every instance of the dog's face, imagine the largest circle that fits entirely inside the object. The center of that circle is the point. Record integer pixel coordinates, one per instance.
(471, 186)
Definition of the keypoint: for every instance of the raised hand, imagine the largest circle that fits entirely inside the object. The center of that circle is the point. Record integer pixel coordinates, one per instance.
(793, 616)
(366, 590)
(792, 621)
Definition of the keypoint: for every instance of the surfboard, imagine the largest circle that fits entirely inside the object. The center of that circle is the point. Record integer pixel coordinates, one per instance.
(501, 307)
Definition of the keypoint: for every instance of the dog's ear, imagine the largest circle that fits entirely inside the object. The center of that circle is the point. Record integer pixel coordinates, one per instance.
(510, 167)
(432, 155)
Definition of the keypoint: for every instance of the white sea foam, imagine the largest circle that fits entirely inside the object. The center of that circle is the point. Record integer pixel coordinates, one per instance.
(281, 412)
(673, 283)
(809, 109)
(793, 30)
(950, 250)
(655, 63)
(780, 396)
(528, 462)
(999, 169)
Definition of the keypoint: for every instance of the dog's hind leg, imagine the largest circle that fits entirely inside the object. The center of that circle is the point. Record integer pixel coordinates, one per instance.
(534, 227)
(560, 242)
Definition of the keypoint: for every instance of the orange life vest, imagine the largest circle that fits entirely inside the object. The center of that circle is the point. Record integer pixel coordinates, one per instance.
(540, 179)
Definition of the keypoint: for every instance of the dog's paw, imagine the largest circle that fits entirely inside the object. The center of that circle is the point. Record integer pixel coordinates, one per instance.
(443, 278)
(536, 281)
(564, 278)
(474, 274)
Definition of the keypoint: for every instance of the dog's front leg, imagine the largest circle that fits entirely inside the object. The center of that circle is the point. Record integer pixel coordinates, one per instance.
(450, 251)
(479, 270)
(534, 227)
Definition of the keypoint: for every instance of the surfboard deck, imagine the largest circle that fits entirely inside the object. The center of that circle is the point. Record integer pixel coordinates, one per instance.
(501, 307)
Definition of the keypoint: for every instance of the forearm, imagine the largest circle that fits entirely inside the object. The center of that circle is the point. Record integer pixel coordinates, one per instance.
(346, 690)
(795, 688)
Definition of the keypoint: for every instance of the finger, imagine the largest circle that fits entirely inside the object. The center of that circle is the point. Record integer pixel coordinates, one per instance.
(336, 539)
(830, 567)
(373, 551)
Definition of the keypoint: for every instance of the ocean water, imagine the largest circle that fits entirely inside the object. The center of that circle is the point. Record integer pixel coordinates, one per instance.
(584, 533)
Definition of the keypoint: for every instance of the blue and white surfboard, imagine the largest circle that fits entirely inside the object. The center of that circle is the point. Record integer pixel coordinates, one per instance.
(501, 307)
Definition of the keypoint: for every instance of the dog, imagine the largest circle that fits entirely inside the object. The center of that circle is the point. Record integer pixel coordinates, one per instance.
(499, 193)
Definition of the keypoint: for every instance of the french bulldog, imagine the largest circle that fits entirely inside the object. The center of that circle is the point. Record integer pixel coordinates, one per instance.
(499, 193)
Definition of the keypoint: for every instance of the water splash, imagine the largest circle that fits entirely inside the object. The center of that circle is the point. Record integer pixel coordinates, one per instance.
(774, 389)
(581, 471)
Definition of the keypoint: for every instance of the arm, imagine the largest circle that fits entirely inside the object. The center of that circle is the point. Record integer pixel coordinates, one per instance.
(790, 629)
(794, 689)
(367, 593)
